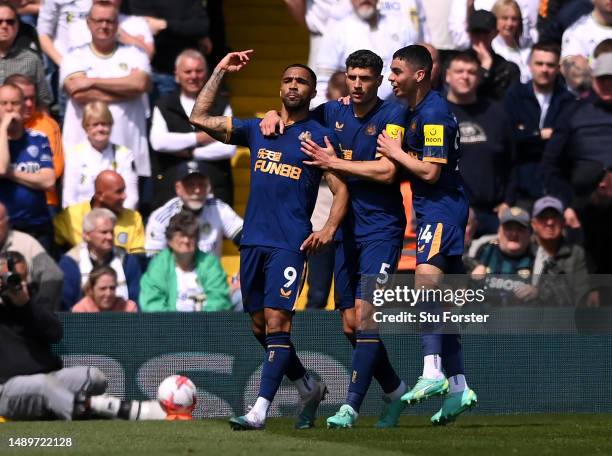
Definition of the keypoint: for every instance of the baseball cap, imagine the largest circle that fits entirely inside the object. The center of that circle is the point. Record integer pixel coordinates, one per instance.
(602, 66)
(515, 214)
(547, 202)
(482, 21)
(186, 169)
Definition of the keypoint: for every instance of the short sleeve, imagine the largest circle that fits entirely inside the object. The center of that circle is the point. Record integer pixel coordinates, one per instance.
(140, 60)
(46, 157)
(71, 64)
(435, 139)
(240, 130)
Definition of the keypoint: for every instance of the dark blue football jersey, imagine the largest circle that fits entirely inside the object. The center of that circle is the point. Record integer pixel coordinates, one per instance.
(432, 135)
(376, 211)
(283, 189)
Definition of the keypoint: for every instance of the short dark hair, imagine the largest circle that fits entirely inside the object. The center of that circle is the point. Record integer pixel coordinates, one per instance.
(364, 58)
(416, 56)
(184, 222)
(7, 4)
(603, 47)
(465, 56)
(547, 46)
(307, 68)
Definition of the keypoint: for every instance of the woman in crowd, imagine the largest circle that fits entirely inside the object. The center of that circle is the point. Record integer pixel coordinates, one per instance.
(100, 293)
(508, 42)
(181, 277)
(86, 160)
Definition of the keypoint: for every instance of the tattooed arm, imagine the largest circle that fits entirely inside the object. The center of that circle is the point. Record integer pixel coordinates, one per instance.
(219, 127)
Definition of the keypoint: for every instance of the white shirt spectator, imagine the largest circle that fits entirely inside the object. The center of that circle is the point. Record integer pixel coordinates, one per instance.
(520, 56)
(351, 34)
(83, 163)
(436, 14)
(129, 127)
(217, 220)
(457, 22)
(135, 26)
(163, 140)
(65, 22)
(583, 36)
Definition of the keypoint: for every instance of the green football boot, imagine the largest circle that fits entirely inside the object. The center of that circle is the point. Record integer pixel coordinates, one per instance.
(454, 405)
(424, 389)
(390, 414)
(309, 406)
(240, 423)
(346, 417)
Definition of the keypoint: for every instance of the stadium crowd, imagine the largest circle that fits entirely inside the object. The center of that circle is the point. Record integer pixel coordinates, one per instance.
(117, 203)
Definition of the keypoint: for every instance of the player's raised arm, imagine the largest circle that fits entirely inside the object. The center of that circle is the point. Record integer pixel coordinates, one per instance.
(218, 127)
(320, 238)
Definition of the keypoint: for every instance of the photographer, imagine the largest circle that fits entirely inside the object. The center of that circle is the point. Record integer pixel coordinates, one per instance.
(33, 384)
(43, 273)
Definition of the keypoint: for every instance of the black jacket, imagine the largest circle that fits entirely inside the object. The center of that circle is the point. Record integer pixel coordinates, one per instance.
(523, 111)
(498, 78)
(26, 335)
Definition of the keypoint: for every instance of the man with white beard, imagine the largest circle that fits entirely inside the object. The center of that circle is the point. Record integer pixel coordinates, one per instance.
(217, 219)
(367, 27)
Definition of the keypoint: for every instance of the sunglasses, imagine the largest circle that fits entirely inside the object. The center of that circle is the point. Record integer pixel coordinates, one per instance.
(8, 21)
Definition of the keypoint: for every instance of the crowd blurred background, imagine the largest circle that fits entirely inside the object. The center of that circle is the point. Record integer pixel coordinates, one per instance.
(111, 201)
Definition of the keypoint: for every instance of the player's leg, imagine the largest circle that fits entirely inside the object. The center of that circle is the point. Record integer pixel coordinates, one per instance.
(432, 382)
(460, 397)
(89, 380)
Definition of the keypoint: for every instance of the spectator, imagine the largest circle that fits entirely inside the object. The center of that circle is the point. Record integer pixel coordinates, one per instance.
(39, 120)
(555, 16)
(111, 72)
(486, 142)
(27, 37)
(365, 28)
(15, 58)
(175, 140)
(509, 30)
(216, 219)
(100, 293)
(462, 10)
(510, 255)
(497, 73)
(560, 268)
(98, 250)
(577, 164)
(320, 15)
(26, 169)
(109, 194)
(176, 26)
(133, 30)
(437, 17)
(583, 35)
(88, 159)
(336, 87)
(44, 278)
(533, 109)
(182, 277)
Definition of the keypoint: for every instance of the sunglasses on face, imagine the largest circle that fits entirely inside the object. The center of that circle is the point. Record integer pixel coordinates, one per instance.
(8, 21)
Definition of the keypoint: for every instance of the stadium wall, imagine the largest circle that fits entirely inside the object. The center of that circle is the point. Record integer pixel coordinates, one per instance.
(511, 373)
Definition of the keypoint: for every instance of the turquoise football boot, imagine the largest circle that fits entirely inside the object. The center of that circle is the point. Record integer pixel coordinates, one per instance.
(346, 417)
(241, 423)
(390, 414)
(426, 388)
(309, 406)
(454, 405)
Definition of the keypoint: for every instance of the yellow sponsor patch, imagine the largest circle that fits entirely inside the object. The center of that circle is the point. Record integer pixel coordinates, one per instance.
(434, 135)
(395, 131)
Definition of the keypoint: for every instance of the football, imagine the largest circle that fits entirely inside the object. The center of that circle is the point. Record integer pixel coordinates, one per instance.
(177, 395)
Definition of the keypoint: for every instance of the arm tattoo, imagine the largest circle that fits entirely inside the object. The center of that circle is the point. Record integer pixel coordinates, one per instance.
(216, 126)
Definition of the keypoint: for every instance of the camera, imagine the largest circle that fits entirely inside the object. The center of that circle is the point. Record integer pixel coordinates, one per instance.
(9, 280)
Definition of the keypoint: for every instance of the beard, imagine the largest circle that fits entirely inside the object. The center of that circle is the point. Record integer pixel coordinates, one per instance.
(366, 12)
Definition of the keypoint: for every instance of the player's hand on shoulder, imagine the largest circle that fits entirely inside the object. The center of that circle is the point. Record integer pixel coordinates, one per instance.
(389, 147)
(235, 61)
(272, 124)
(321, 157)
(345, 100)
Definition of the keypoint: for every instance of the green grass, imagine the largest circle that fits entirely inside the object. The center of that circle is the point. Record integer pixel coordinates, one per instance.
(470, 435)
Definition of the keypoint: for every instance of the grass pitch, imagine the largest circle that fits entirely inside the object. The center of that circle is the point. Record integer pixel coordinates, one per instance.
(470, 435)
